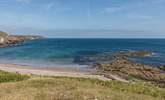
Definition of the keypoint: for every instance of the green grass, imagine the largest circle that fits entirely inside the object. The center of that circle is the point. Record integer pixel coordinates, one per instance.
(65, 88)
(3, 34)
(11, 77)
(139, 88)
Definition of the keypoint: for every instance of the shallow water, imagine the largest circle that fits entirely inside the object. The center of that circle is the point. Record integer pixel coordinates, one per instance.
(62, 52)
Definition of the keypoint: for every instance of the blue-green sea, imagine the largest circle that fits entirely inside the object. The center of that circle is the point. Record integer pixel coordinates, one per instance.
(53, 52)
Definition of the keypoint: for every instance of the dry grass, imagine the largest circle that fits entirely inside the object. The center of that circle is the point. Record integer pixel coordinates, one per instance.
(62, 88)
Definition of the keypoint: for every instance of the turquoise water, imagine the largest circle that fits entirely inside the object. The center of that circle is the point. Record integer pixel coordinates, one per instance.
(53, 52)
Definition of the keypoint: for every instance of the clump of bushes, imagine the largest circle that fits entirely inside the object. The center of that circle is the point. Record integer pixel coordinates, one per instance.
(11, 77)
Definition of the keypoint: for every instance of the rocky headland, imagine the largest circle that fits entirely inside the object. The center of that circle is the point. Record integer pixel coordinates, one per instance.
(9, 40)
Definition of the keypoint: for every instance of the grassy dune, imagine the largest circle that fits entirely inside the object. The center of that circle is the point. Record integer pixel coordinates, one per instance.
(63, 88)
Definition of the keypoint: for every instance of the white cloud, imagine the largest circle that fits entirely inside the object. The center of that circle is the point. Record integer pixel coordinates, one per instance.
(24, 1)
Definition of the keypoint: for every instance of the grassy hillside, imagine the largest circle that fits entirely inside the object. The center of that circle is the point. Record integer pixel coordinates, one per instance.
(3, 34)
(63, 88)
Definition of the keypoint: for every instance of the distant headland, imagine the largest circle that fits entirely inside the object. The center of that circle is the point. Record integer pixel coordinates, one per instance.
(7, 39)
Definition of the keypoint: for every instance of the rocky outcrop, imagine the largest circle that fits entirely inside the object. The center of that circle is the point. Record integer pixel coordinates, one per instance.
(162, 67)
(119, 65)
(91, 57)
(12, 39)
(132, 71)
(133, 54)
(15, 39)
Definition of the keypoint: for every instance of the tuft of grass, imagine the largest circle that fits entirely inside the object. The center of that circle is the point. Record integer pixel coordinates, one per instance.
(11, 77)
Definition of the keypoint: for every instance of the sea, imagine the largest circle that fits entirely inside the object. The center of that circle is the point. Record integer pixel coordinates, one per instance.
(51, 52)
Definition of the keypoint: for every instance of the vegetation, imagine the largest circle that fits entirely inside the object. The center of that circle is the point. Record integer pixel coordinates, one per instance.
(11, 77)
(65, 88)
(3, 34)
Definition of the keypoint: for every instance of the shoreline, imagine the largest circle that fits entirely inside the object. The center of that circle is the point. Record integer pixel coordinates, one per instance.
(59, 72)
(65, 68)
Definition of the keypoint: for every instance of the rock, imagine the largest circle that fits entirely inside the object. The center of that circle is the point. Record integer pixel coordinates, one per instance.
(162, 67)
(91, 57)
(134, 54)
(140, 53)
(23, 37)
(132, 71)
(16, 39)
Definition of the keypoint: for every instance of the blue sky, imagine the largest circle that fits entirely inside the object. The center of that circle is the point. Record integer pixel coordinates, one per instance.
(84, 18)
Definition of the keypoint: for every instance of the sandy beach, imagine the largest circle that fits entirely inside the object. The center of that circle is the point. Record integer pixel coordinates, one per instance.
(21, 69)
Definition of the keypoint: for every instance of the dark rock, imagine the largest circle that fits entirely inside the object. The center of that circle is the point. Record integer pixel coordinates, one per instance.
(90, 57)
(134, 54)
(126, 69)
(162, 67)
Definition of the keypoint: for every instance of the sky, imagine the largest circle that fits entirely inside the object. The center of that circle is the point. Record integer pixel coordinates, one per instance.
(84, 18)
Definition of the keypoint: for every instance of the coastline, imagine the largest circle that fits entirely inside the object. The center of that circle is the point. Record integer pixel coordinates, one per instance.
(63, 72)
(104, 65)
(120, 69)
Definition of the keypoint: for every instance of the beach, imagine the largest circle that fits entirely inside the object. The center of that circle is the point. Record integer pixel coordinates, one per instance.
(61, 72)
(49, 72)
(19, 82)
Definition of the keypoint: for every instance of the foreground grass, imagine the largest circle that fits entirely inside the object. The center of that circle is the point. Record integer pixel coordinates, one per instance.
(11, 77)
(63, 88)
